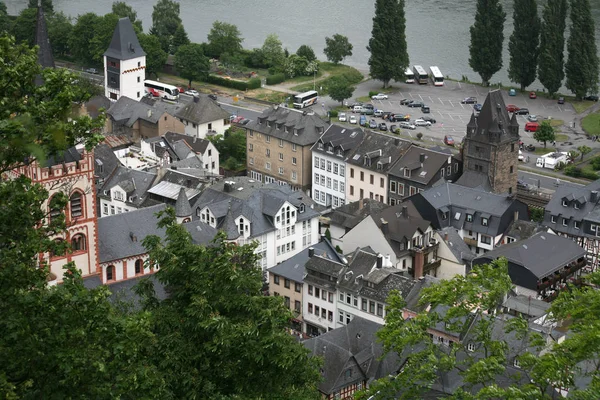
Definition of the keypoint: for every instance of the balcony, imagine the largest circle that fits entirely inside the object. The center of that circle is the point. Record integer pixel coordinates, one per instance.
(433, 245)
(434, 264)
(470, 241)
(561, 275)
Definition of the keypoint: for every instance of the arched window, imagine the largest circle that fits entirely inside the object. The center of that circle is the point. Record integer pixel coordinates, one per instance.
(139, 266)
(110, 273)
(186, 220)
(78, 243)
(76, 205)
(54, 211)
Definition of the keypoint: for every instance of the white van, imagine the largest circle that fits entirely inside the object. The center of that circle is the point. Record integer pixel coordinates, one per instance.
(357, 109)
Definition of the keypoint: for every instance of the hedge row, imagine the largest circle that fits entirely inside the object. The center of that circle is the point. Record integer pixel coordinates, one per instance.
(275, 79)
(577, 172)
(253, 83)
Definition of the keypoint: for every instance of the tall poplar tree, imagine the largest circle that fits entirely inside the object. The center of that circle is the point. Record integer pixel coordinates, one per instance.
(582, 66)
(389, 54)
(523, 44)
(487, 37)
(552, 44)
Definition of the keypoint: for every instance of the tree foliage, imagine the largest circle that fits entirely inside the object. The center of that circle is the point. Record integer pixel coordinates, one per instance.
(91, 37)
(165, 20)
(5, 23)
(23, 27)
(545, 133)
(487, 37)
(340, 89)
(552, 43)
(235, 343)
(272, 51)
(307, 52)
(231, 145)
(583, 150)
(122, 10)
(523, 45)
(582, 68)
(224, 38)
(60, 29)
(389, 54)
(156, 57)
(191, 63)
(337, 48)
(295, 65)
(180, 38)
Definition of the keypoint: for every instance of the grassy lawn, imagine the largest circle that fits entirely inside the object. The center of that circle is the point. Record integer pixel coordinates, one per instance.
(268, 95)
(363, 99)
(334, 70)
(581, 106)
(559, 137)
(591, 124)
(555, 123)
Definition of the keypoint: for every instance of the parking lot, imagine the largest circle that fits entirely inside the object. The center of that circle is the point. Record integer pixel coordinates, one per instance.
(452, 116)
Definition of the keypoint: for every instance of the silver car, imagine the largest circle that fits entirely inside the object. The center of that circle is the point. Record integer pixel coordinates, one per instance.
(407, 125)
(422, 122)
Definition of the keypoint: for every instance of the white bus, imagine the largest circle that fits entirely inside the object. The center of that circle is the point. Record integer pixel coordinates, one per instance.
(436, 76)
(410, 77)
(420, 75)
(306, 99)
(160, 89)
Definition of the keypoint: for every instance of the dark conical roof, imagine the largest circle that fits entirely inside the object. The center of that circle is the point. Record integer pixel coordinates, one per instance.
(124, 44)
(182, 206)
(45, 57)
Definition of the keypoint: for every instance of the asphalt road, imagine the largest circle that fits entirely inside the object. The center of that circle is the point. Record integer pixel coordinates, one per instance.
(540, 181)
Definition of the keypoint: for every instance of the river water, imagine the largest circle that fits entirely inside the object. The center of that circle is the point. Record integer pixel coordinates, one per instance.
(437, 30)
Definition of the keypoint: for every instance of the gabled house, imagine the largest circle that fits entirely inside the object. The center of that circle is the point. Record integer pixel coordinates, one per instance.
(369, 165)
(352, 359)
(203, 117)
(278, 146)
(282, 221)
(123, 191)
(418, 169)
(574, 212)
(480, 217)
(330, 154)
(454, 254)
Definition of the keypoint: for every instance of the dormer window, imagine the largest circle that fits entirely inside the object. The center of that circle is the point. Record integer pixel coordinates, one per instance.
(339, 152)
(471, 347)
(576, 205)
(285, 129)
(553, 219)
(278, 126)
(407, 172)
(484, 221)
(295, 131)
(269, 124)
(319, 146)
(330, 149)
(565, 203)
(444, 215)
(367, 161)
(469, 217)
(301, 208)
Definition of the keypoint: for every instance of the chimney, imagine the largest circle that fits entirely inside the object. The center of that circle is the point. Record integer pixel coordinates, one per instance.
(149, 113)
(422, 158)
(404, 211)
(133, 237)
(594, 196)
(194, 140)
(384, 226)
(379, 261)
(360, 204)
(196, 99)
(516, 216)
(322, 237)
(227, 187)
(311, 252)
(446, 236)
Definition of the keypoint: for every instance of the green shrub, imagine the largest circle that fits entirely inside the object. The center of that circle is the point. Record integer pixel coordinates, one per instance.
(419, 136)
(353, 76)
(573, 171)
(217, 80)
(560, 166)
(595, 163)
(372, 93)
(275, 79)
(589, 175)
(536, 214)
(254, 83)
(333, 114)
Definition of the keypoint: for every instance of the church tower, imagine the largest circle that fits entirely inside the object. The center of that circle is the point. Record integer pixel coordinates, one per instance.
(45, 57)
(124, 64)
(491, 145)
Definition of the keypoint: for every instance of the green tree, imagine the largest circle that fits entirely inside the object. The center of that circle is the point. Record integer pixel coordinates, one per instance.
(235, 343)
(339, 89)
(191, 63)
(47, 5)
(295, 65)
(583, 150)
(487, 37)
(60, 29)
(523, 45)
(233, 146)
(122, 10)
(337, 48)
(582, 68)
(156, 57)
(307, 52)
(389, 55)
(573, 154)
(23, 27)
(272, 51)
(552, 44)
(165, 20)
(180, 38)
(103, 33)
(223, 38)
(82, 35)
(5, 24)
(545, 133)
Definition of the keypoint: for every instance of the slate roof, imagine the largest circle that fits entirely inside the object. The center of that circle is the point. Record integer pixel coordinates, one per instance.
(456, 244)
(171, 190)
(362, 263)
(542, 254)
(202, 233)
(191, 166)
(353, 346)
(121, 235)
(351, 214)
(127, 111)
(96, 103)
(424, 172)
(284, 122)
(391, 280)
(343, 141)
(135, 183)
(293, 268)
(124, 44)
(202, 110)
(122, 291)
(493, 124)
(196, 144)
(521, 229)
(574, 195)
(182, 206)
(526, 305)
(105, 162)
(254, 200)
(64, 156)
(380, 152)
(475, 180)
(412, 299)
(323, 265)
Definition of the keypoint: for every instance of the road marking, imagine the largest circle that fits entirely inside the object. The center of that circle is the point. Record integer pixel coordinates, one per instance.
(460, 87)
(411, 96)
(391, 104)
(452, 104)
(462, 105)
(409, 134)
(451, 117)
(401, 95)
(421, 98)
(441, 101)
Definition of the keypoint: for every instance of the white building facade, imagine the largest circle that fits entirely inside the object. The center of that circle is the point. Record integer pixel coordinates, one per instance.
(329, 178)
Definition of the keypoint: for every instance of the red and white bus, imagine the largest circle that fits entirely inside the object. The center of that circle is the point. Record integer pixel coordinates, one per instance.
(163, 90)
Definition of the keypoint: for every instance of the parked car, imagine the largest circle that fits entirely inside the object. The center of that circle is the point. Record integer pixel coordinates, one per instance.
(407, 125)
(353, 119)
(512, 92)
(591, 97)
(192, 92)
(532, 95)
(244, 121)
(405, 102)
(428, 118)
(449, 140)
(477, 107)
(152, 92)
(530, 147)
(362, 121)
(521, 184)
(378, 113)
(369, 105)
(237, 120)
(561, 100)
(511, 108)
(380, 96)
(425, 109)
(180, 89)
(532, 118)
(358, 108)
(91, 71)
(394, 129)
(368, 111)
(383, 126)
(342, 117)
(372, 124)
(351, 106)
(469, 100)
(400, 117)
(522, 111)
(212, 96)
(386, 115)
(422, 122)
(416, 104)
(531, 127)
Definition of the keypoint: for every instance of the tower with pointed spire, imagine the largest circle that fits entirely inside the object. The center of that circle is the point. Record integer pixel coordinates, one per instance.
(491, 146)
(183, 210)
(42, 40)
(124, 64)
